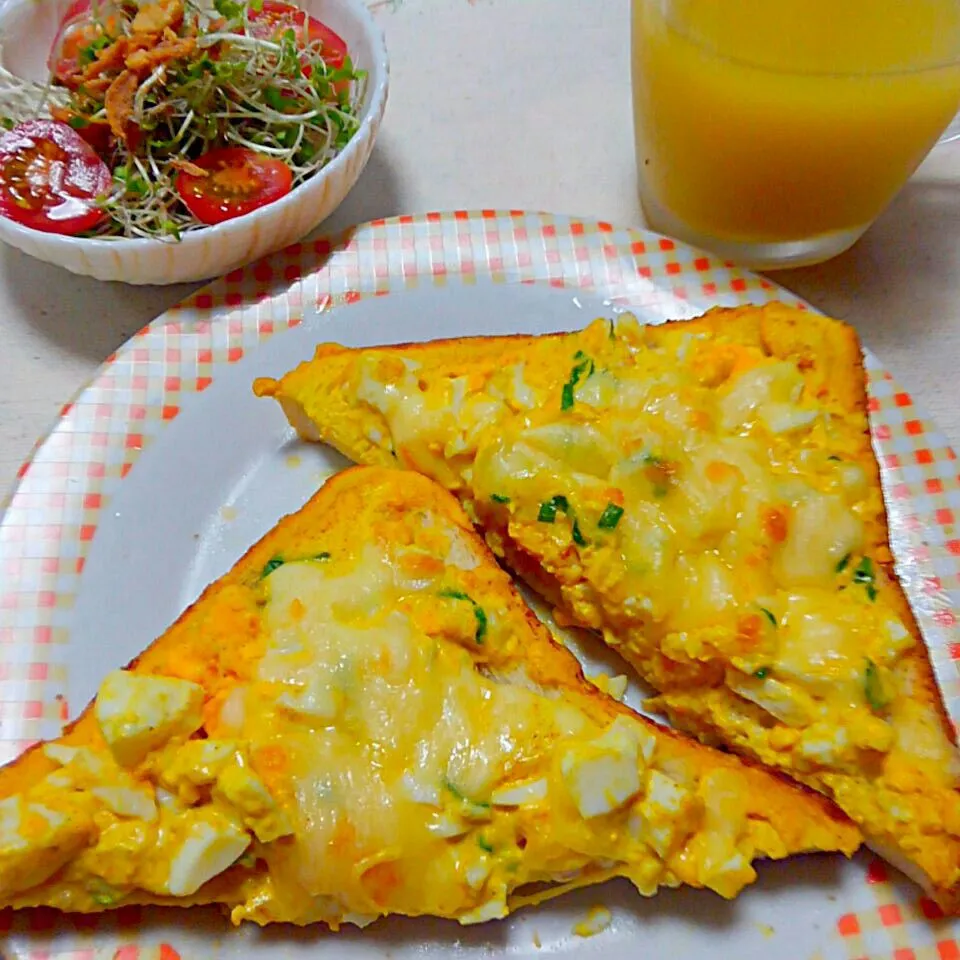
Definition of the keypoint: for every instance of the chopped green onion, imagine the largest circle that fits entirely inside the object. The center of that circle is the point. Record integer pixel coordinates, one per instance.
(578, 537)
(842, 564)
(762, 673)
(610, 517)
(484, 844)
(478, 612)
(270, 566)
(462, 797)
(585, 366)
(769, 615)
(864, 574)
(873, 688)
(321, 556)
(548, 510)
(499, 498)
(455, 595)
(481, 619)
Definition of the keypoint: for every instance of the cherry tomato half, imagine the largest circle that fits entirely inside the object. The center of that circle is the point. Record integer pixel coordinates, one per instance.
(78, 29)
(238, 181)
(50, 178)
(275, 17)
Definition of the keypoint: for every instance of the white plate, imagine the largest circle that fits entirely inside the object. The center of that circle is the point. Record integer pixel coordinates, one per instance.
(166, 468)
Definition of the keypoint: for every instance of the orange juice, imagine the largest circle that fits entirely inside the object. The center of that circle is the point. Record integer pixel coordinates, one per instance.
(764, 122)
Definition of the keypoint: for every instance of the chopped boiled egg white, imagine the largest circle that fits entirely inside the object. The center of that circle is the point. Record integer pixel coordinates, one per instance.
(604, 774)
(36, 841)
(660, 817)
(128, 802)
(212, 842)
(531, 791)
(138, 713)
(246, 792)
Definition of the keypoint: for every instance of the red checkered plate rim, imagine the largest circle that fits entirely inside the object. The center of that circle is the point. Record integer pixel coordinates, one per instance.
(64, 492)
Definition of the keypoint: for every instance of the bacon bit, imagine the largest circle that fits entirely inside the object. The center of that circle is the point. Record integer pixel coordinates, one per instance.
(157, 17)
(144, 60)
(119, 103)
(188, 166)
(96, 87)
(775, 524)
(108, 59)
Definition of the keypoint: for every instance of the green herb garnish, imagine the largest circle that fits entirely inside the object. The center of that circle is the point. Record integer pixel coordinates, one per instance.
(478, 612)
(873, 688)
(610, 517)
(548, 509)
(842, 563)
(578, 537)
(762, 673)
(481, 619)
(583, 366)
(769, 615)
(864, 575)
(499, 498)
(462, 797)
(484, 844)
(88, 54)
(270, 566)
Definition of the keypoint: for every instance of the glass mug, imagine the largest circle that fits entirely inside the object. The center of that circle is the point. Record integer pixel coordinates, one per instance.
(773, 132)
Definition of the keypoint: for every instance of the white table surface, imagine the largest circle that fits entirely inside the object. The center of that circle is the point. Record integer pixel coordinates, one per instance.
(515, 104)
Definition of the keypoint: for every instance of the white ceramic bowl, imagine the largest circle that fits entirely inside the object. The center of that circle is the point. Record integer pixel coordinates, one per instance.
(28, 28)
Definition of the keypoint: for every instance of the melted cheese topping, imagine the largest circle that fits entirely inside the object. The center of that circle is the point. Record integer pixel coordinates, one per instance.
(696, 501)
(382, 757)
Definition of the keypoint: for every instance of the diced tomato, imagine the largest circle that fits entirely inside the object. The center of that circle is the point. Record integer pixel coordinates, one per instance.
(50, 178)
(237, 181)
(276, 17)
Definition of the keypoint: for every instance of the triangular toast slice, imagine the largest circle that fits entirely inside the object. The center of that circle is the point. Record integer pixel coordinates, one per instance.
(703, 493)
(362, 718)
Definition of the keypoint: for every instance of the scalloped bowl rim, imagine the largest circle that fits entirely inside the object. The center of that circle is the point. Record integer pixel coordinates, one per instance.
(375, 94)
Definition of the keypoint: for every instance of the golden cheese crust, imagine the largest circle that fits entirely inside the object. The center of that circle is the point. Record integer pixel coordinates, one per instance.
(222, 641)
(776, 422)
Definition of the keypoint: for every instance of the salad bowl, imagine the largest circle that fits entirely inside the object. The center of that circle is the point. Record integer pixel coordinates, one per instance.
(28, 29)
